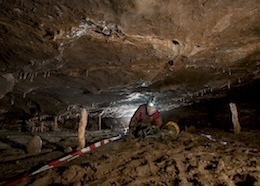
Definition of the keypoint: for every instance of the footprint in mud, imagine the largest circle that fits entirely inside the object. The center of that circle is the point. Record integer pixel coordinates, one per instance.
(73, 174)
(244, 179)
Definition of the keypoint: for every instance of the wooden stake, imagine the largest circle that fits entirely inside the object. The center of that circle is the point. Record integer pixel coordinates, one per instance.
(236, 125)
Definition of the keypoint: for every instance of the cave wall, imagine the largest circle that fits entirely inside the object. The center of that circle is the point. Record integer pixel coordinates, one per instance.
(216, 112)
(55, 54)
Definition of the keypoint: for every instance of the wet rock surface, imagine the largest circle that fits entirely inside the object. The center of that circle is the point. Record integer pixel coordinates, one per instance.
(106, 54)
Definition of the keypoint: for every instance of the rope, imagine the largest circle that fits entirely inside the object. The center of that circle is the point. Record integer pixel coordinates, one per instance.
(67, 158)
(250, 151)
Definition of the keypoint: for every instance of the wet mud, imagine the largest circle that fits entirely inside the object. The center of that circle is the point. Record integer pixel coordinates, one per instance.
(165, 158)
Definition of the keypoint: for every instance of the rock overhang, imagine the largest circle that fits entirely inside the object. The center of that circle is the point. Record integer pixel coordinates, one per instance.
(100, 54)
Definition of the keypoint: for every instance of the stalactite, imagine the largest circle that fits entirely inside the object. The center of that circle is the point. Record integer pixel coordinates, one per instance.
(230, 72)
(20, 75)
(32, 76)
(25, 75)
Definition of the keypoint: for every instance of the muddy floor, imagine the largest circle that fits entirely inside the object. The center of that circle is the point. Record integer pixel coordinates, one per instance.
(191, 158)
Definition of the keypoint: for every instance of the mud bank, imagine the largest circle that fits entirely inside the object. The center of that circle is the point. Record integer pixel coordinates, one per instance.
(161, 159)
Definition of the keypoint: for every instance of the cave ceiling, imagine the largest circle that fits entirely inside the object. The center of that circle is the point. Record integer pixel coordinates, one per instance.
(112, 54)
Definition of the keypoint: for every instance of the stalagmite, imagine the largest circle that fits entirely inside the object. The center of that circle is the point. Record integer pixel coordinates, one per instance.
(34, 146)
(235, 121)
(82, 128)
(99, 120)
(55, 124)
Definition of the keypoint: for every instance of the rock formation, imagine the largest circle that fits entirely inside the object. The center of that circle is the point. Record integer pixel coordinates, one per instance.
(82, 128)
(109, 54)
(34, 146)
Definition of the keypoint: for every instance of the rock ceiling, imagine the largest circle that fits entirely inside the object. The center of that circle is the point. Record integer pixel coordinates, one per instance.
(111, 54)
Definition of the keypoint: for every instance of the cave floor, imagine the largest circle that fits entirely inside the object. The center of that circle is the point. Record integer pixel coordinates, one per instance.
(191, 158)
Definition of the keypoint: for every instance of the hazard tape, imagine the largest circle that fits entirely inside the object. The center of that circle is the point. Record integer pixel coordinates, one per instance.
(251, 151)
(67, 158)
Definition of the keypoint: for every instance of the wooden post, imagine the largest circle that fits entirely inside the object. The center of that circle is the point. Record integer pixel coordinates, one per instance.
(235, 121)
(82, 129)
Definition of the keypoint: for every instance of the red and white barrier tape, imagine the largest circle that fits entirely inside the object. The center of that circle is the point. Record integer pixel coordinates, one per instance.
(251, 151)
(67, 158)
